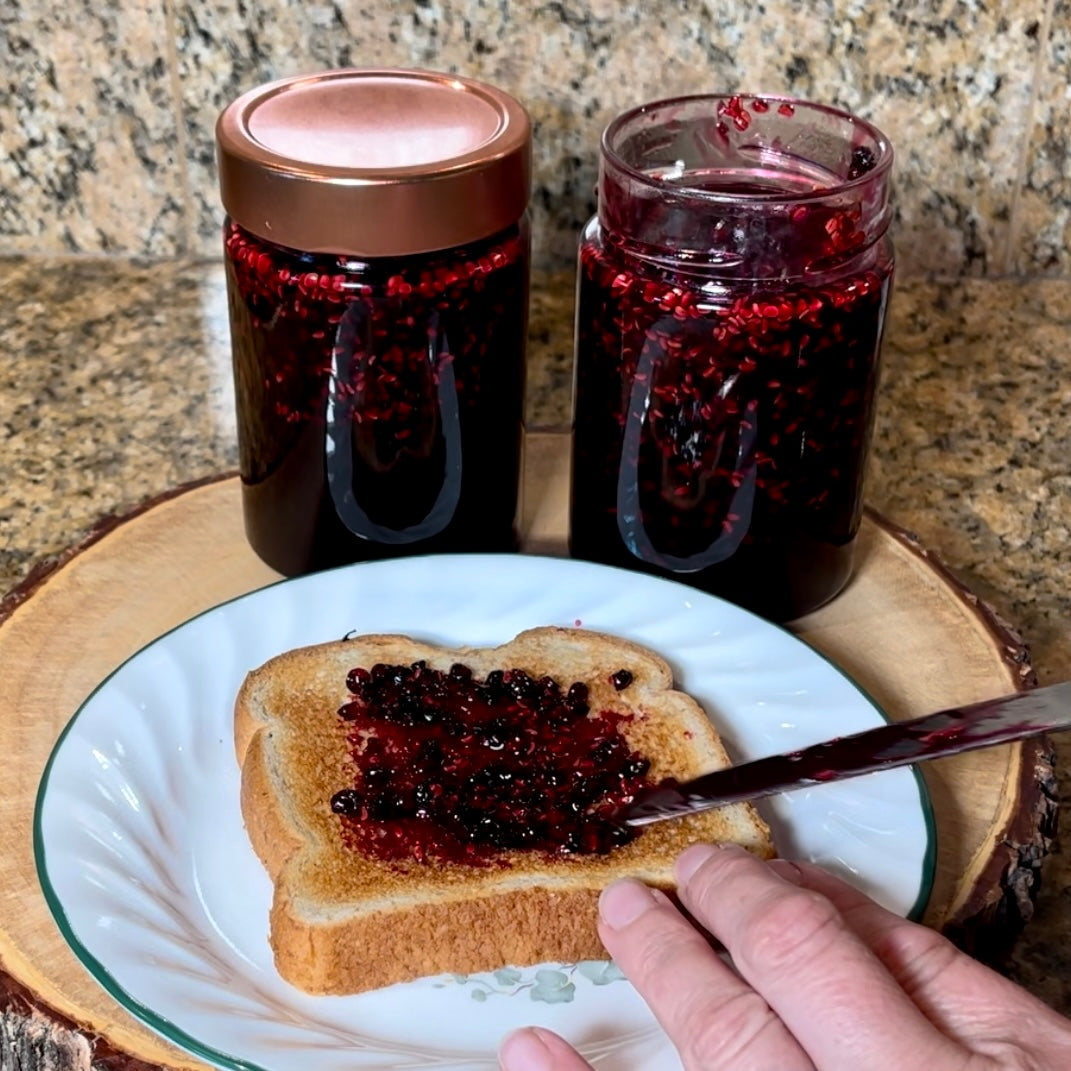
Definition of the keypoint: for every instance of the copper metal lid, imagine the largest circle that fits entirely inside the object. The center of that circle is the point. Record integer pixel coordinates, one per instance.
(374, 162)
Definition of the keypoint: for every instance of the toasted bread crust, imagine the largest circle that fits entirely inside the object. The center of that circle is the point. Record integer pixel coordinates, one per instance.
(344, 923)
(272, 836)
(521, 927)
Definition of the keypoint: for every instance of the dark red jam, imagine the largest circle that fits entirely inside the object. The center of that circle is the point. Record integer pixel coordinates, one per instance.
(721, 432)
(452, 768)
(380, 401)
(731, 302)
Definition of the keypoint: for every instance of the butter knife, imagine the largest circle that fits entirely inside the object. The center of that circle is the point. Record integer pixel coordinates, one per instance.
(948, 732)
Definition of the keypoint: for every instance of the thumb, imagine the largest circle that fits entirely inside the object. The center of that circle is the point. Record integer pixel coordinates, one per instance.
(536, 1049)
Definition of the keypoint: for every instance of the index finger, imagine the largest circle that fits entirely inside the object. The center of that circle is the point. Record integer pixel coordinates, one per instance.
(713, 1017)
(793, 945)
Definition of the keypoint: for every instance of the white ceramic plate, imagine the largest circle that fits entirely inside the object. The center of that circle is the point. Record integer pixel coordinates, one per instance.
(147, 869)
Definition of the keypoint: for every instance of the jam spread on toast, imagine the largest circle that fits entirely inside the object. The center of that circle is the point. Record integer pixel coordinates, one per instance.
(452, 768)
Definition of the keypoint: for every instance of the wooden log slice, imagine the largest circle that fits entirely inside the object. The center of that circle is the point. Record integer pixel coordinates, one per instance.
(904, 629)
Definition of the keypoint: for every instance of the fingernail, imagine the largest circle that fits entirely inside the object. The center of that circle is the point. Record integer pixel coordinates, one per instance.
(691, 859)
(623, 902)
(525, 1050)
(786, 869)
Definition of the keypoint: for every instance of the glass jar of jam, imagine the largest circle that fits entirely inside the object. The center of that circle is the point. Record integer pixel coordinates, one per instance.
(731, 298)
(377, 257)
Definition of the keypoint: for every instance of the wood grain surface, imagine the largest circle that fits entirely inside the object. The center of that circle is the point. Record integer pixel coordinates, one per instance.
(904, 629)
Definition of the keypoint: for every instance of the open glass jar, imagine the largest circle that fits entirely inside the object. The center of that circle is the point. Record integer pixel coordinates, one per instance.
(377, 253)
(731, 299)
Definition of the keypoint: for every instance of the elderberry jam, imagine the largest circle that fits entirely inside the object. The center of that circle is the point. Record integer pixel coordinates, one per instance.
(377, 252)
(453, 768)
(731, 300)
(379, 402)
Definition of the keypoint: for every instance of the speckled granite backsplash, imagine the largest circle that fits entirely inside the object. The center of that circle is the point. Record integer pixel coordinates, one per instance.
(107, 106)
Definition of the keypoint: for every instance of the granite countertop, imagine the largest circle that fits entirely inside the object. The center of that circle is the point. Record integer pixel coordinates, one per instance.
(116, 386)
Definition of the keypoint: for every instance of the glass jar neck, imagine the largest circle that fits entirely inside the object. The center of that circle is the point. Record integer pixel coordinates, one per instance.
(745, 186)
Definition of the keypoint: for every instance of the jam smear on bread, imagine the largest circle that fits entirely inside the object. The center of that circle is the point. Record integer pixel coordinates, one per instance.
(453, 768)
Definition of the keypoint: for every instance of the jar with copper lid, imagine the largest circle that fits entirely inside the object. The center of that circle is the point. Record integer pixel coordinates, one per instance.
(377, 256)
(731, 302)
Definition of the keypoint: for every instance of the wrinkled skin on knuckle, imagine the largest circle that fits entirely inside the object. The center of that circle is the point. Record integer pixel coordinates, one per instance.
(1007, 1056)
(914, 956)
(791, 932)
(656, 951)
(719, 1036)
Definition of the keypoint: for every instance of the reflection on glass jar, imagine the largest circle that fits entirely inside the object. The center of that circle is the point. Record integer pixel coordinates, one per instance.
(731, 300)
(377, 250)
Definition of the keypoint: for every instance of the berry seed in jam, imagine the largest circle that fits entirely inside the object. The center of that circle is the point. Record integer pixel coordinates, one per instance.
(453, 768)
(731, 305)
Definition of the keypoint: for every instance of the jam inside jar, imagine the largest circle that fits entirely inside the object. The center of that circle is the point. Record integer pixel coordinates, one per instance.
(379, 401)
(731, 300)
(377, 252)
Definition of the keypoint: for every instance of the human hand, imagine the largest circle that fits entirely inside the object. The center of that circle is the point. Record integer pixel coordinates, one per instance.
(825, 980)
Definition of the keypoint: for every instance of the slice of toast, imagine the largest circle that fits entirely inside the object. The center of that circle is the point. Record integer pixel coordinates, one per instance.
(343, 921)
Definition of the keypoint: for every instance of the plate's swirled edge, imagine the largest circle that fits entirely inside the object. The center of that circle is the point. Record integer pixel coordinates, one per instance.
(929, 859)
(172, 1032)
